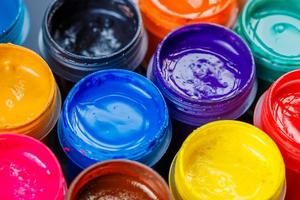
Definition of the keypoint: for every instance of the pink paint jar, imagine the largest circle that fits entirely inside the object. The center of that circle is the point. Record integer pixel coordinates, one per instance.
(29, 170)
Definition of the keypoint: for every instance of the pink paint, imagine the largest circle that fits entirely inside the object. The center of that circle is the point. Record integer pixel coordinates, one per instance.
(29, 170)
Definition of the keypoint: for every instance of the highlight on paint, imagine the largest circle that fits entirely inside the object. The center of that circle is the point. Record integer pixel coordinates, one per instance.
(29, 170)
(277, 113)
(97, 35)
(119, 179)
(272, 30)
(29, 98)
(114, 114)
(228, 160)
(206, 73)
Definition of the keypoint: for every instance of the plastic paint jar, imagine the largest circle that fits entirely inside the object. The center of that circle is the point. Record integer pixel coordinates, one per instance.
(272, 30)
(29, 99)
(278, 114)
(114, 114)
(206, 73)
(228, 160)
(14, 21)
(29, 170)
(119, 179)
(163, 16)
(96, 35)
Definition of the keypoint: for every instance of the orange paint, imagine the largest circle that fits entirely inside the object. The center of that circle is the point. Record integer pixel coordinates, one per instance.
(162, 16)
(29, 98)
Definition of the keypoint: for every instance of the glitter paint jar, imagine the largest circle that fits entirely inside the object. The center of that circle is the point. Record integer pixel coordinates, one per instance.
(278, 114)
(272, 30)
(228, 160)
(30, 100)
(14, 21)
(206, 73)
(97, 35)
(119, 179)
(29, 170)
(114, 114)
(163, 16)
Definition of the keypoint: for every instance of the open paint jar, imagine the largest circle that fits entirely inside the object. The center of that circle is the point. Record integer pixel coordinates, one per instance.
(228, 160)
(278, 114)
(29, 170)
(29, 99)
(206, 73)
(118, 180)
(114, 114)
(163, 16)
(272, 30)
(96, 35)
(14, 21)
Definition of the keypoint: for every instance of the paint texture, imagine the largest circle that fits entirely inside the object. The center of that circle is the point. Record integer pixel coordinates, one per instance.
(29, 99)
(28, 170)
(9, 10)
(229, 160)
(115, 114)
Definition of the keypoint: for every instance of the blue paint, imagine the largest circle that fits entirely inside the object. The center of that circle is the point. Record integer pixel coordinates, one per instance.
(14, 21)
(114, 114)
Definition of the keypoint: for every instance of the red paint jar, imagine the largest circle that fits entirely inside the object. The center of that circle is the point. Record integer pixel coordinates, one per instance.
(278, 114)
(119, 179)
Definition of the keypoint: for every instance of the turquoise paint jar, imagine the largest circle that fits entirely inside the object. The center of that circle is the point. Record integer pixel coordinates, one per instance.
(14, 21)
(272, 30)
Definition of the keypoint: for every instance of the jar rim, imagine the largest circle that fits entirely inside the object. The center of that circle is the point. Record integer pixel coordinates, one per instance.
(115, 167)
(56, 4)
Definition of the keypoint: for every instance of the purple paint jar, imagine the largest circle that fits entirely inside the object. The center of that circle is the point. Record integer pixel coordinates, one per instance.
(206, 73)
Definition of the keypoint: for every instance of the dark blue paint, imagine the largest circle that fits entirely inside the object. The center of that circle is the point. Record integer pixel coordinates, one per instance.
(114, 114)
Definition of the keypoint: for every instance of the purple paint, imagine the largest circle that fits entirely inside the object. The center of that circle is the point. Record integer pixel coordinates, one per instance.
(206, 72)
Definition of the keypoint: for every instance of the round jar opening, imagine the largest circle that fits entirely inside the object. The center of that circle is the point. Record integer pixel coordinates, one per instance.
(119, 179)
(9, 12)
(94, 29)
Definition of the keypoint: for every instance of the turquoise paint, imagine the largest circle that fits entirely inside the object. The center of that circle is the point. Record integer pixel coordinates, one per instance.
(272, 30)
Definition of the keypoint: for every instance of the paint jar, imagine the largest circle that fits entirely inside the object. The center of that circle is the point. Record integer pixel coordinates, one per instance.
(278, 114)
(228, 160)
(96, 35)
(29, 170)
(272, 30)
(14, 21)
(206, 73)
(119, 179)
(161, 17)
(114, 114)
(29, 99)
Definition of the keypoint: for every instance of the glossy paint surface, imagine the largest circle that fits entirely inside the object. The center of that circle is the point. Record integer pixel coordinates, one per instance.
(229, 160)
(93, 28)
(275, 28)
(9, 11)
(114, 114)
(28, 170)
(200, 64)
(24, 78)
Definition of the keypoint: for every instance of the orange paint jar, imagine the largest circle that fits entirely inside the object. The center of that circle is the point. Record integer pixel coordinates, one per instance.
(162, 16)
(29, 99)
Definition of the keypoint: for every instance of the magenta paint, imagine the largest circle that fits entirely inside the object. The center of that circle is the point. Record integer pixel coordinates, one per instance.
(29, 170)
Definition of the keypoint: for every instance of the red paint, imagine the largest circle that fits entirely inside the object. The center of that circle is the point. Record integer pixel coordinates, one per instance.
(28, 170)
(119, 180)
(278, 114)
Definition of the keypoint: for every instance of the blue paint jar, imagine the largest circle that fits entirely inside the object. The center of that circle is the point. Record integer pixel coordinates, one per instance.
(114, 114)
(95, 35)
(14, 21)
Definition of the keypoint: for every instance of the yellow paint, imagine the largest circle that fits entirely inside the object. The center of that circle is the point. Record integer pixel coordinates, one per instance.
(28, 89)
(229, 160)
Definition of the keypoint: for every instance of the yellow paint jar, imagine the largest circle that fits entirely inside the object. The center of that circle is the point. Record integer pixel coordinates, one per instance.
(30, 101)
(228, 160)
